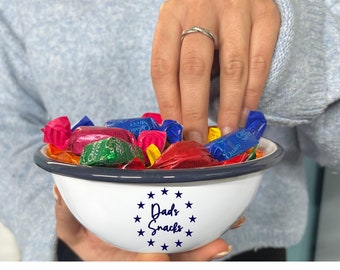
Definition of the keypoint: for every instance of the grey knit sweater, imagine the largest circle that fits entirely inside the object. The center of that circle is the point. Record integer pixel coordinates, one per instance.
(92, 57)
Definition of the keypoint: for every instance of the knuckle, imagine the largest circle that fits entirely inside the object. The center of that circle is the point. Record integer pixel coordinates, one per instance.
(193, 116)
(253, 93)
(160, 68)
(167, 105)
(258, 64)
(234, 69)
(229, 113)
(193, 65)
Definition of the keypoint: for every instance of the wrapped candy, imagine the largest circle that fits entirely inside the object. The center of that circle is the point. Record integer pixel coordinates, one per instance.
(173, 129)
(256, 123)
(231, 145)
(61, 155)
(57, 132)
(85, 121)
(134, 125)
(151, 137)
(213, 133)
(156, 116)
(236, 143)
(84, 135)
(184, 154)
(152, 153)
(110, 152)
(149, 142)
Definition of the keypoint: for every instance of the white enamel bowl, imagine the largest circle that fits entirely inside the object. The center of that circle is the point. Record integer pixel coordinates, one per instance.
(165, 211)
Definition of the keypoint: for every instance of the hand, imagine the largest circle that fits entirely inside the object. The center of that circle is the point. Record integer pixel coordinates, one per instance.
(246, 33)
(90, 248)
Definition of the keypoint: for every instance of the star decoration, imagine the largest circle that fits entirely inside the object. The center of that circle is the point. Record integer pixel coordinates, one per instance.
(192, 218)
(164, 191)
(151, 242)
(159, 226)
(188, 204)
(141, 232)
(189, 233)
(137, 218)
(178, 243)
(164, 247)
(178, 194)
(151, 195)
(141, 205)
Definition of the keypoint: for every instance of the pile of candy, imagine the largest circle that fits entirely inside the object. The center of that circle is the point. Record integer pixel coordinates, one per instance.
(149, 142)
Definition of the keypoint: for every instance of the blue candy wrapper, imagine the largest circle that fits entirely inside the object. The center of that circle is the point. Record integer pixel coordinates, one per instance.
(233, 144)
(85, 121)
(173, 129)
(256, 123)
(134, 125)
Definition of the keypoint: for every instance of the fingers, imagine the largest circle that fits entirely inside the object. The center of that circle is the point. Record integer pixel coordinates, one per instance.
(265, 29)
(234, 47)
(195, 68)
(248, 38)
(165, 63)
(181, 70)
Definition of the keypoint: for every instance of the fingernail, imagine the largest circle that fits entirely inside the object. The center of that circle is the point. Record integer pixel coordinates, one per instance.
(56, 195)
(195, 136)
(223, 253)
(239, 222)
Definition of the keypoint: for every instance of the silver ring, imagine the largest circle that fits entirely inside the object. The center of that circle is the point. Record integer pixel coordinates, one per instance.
(197, 29)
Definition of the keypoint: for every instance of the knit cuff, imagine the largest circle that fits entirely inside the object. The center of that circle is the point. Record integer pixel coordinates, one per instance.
(296, 86)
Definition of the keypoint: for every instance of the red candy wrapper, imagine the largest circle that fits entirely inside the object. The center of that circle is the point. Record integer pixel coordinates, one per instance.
(185, 154)
(148, 137)
(84, 135)
(156, 116)
(57, 132)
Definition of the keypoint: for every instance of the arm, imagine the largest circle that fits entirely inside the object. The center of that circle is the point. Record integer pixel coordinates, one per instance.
(305, 92)
(296, 87)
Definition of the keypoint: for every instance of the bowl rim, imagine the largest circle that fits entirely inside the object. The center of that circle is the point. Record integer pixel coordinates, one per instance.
(111, 174)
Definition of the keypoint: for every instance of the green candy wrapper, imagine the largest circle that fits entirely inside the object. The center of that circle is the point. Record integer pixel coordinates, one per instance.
(110, 152)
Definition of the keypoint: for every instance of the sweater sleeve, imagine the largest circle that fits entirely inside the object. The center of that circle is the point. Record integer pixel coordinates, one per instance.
(304, 87)
(26, 192)
(320, 138)
(296, 88)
